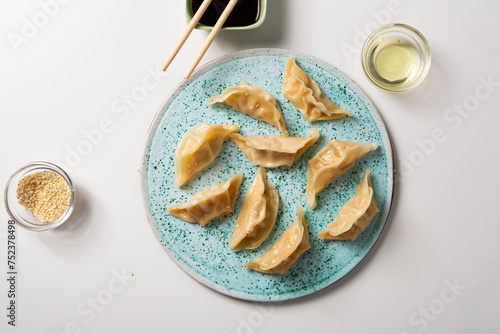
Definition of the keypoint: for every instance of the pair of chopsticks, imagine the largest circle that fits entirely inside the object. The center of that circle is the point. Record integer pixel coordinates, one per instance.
(196, 18)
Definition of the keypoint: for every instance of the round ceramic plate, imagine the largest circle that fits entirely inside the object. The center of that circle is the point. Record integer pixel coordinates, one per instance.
(203, 251)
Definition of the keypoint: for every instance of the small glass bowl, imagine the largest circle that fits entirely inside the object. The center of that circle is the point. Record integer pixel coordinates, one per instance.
(412, 36)
(18, 213)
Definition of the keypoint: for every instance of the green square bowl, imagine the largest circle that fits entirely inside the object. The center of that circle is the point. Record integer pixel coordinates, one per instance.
(262, 17)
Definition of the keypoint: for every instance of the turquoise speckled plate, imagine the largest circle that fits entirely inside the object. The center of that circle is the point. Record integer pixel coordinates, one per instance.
(203, 251)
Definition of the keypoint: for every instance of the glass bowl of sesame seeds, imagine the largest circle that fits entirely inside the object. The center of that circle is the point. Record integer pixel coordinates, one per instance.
(39, 196)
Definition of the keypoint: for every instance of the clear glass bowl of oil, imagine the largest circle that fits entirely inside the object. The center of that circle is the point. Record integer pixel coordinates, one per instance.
(396, 57)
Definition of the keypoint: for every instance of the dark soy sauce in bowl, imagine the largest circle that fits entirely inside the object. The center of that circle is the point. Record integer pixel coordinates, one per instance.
(245, 13)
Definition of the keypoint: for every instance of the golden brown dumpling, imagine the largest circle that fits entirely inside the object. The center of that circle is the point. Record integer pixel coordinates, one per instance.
(252, 101)
(355, 215)
(210, 203)
(275, 151)
(257, 215)
(331, 162)
(286, 250)
(198, 148)
(305, 94)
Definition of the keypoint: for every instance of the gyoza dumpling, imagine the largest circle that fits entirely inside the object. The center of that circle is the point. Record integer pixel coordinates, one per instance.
(257, 214)
(355, 215)
(275, 151)
(252, 101)
(286, 250)
(198, 148)
(305, 94)
(329, 163)
(210, 203)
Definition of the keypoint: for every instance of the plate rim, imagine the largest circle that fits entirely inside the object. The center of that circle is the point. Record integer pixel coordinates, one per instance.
(160, 113)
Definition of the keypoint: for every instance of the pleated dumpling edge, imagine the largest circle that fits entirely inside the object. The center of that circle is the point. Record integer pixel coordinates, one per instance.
(252, 101)
(305, 94)
(198, 148)
(330, 162)
(275, 151)
(355, 215)
(210, 203)
(257, 214)
(286, 250)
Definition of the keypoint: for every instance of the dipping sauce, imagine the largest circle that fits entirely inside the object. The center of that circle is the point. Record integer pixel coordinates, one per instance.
(245, 13)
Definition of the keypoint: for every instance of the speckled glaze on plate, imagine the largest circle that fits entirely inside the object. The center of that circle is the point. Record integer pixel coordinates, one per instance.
(203, 251)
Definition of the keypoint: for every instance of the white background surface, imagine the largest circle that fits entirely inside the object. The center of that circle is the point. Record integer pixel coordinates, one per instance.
(445, 223)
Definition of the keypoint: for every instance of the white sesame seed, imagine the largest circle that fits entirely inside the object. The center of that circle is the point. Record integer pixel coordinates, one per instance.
(46, 194)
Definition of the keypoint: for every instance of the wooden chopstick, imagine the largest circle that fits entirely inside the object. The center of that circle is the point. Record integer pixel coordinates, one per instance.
(211, 36)
(196, 18)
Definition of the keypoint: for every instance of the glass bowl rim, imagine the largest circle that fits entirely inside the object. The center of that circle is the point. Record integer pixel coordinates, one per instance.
(425, 49)
(32, 167)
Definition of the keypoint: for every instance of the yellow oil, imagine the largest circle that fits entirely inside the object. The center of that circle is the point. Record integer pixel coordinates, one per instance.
(393, 61)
